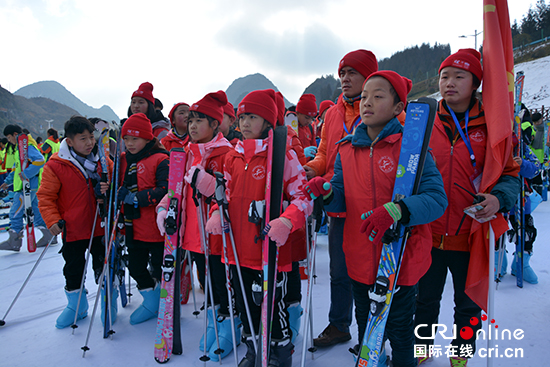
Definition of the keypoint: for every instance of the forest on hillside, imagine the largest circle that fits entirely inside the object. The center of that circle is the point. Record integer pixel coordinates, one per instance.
(533, 26)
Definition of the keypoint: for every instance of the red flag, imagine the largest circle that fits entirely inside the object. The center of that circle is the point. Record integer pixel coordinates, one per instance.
(498, 103)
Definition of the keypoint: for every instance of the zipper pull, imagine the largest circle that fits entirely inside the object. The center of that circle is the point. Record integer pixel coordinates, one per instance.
(246, 166)
(371, 149)
(452, 148)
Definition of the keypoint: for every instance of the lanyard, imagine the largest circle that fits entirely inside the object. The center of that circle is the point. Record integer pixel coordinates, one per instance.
(355, 123)
(467, 137)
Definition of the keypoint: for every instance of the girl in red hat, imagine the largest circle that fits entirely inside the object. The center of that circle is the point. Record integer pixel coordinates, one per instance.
(206, 153)
(145, 182)
(306, 111)
(459, 145)
(179, 118)
(143, 102)
(245, 172)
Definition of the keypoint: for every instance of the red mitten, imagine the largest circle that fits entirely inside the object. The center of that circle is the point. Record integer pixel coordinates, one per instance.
(214, 224)
(279, 229)
(316, 187)
(376, 222)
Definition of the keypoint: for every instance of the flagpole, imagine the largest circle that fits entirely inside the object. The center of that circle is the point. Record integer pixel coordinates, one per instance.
(491, 298)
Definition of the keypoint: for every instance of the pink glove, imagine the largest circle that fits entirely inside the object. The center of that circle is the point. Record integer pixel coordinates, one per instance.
(279, 230)
(316, 187)
(376, 222)
(161, 217)
(206, 183)
(214, 224)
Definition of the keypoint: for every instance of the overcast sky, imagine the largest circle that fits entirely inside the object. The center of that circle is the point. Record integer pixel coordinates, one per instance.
(102, 50)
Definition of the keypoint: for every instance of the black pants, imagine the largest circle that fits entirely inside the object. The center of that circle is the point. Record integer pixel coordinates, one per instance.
(75, 259)
(139, 253)
(280, 329)
(217, 274)
(399, 327)
(430, 290)
(294, 289)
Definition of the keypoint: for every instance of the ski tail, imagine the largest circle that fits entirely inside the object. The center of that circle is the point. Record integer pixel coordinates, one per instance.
(273, 202)
(168, 333)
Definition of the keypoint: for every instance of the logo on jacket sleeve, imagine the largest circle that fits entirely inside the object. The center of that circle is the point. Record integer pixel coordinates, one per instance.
(386, 164)
(258, 172)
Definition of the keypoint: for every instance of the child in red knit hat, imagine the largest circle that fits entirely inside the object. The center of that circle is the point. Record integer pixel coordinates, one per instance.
(206, 154)
(245, 172)
(143, 102)
(177, 137)
(306, 111)
(362, 187)
(145, 182)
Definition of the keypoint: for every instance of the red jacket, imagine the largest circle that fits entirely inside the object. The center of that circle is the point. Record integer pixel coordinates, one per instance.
(371, 187)
(214, 153)
(453, 162)
(66, 193)
(144, 227)
(172, 141)
(307, 135)
(245, 172)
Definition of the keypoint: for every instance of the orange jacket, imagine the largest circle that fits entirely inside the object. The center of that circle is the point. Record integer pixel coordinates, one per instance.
(66, 193)
(172, 141)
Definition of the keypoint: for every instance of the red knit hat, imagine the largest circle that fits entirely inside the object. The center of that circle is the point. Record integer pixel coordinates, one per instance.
(173, 110)
(138, 125)
(281, 109)
(229, 110)
(361, 60)
(145, 90)
(307, 105)
(262, 103)
(401, 84)
(325, 105)
(466, 59)
(211, 105)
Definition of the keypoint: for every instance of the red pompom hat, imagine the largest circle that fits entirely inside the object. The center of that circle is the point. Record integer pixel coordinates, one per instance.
(229, 110)
(145, 90)
(361, 60)
(466, 59)
(281, 109)
(307, 105)
(262, 103)
(139, 126)
(173, 110)
(401, 84)
(325, 105)
(211, 105)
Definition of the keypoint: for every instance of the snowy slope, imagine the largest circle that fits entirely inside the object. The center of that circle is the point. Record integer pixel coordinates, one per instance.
(29, 337)
(536, 89)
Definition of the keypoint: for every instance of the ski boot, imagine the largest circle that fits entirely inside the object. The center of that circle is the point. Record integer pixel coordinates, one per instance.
(46, 237)
(67, 316)
(528, 273)
(224, 335)
(295, 312)
(249, 359)
(458, 361)
(13, 243)
(149, 307)
(280, 354)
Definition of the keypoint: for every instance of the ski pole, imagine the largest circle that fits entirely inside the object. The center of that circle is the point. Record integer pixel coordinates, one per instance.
(85, 348)
(190, 264)
(220, 181)
(74, 325)
(197, 198)
(61, 224)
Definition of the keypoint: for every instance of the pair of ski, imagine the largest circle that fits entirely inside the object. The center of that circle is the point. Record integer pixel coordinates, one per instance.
(414, 147)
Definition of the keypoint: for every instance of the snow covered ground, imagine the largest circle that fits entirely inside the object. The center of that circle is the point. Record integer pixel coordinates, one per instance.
(29, 337)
